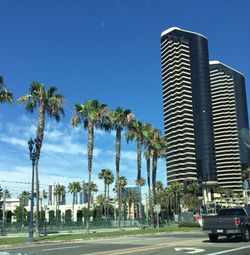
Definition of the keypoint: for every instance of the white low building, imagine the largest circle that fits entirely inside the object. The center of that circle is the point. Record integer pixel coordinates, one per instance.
(12, 203)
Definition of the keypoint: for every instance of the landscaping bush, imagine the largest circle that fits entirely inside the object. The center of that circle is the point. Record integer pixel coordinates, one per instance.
(189, 224)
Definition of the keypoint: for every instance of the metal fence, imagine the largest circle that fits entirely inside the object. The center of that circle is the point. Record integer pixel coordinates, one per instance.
(56, 226)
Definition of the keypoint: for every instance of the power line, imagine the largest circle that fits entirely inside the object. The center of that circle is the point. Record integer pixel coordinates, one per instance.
(20, 182)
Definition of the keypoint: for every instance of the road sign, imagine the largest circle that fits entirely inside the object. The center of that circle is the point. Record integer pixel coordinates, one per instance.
(157, 208)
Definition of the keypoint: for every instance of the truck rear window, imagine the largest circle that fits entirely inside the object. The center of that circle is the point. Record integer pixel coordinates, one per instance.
(232, 212)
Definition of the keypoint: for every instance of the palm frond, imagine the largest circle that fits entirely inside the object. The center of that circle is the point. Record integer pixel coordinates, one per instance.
(6, 96)
(23, 99)
(37, 90)
(75, 120)
(31, 105)
(1, 81)
(50, 92)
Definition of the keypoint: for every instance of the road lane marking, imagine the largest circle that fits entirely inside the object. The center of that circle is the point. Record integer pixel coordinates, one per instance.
(128, 250)
(222, 252)
(62, 248)
(190, 250)
(136, 249)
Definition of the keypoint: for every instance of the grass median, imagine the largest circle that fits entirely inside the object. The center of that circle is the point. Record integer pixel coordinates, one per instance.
(94, 234)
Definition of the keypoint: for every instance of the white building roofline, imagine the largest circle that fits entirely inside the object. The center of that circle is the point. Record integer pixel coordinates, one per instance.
(216, 62)
(177, 28)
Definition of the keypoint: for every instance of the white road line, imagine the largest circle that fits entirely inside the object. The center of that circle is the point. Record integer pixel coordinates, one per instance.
(62, 248)
(222, 252)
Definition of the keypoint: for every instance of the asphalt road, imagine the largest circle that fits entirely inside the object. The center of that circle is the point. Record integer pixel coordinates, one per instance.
(153, 244)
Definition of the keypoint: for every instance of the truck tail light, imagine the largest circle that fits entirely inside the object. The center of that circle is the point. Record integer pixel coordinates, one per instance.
(237, 221)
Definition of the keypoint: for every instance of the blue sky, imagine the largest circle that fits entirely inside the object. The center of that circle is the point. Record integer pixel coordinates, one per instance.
(106, 50)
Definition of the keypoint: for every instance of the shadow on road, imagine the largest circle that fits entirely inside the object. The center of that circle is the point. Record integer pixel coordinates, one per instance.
(226, 240)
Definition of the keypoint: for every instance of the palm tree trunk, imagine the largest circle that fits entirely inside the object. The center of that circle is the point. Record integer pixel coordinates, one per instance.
(140, 208)
(129, 211)
(149, 187)
(90, 153)
(105, 200)
(108, 203)
(22, 216)
(139, 146)
(40, 134)
(154, 169)
(37, 200)
(76, 198)
(117, 161)
(73, 203)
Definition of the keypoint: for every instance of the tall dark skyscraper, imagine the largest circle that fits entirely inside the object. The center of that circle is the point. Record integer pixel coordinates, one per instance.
(205, 113)
(230, 120)
(187, 106)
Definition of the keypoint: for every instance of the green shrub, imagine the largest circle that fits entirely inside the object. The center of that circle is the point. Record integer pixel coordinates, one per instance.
(189, 224)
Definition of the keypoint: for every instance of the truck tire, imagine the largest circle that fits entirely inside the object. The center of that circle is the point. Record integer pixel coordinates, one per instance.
(245, 236)
(213, 237)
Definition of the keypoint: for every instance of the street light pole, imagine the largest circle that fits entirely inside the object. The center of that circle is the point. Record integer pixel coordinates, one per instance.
(4, 213)
(34, 147)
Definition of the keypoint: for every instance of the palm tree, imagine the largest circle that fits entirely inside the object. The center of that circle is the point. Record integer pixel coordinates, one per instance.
(59, 192)
(1, 193)
(49, 103)
(5, 94)
(169, 199)
(5, 193)
(93, 115)
(101, 201)
(160, 194)
(121, 184)
(92, 187)
(43, 195)
(140, 182)
(107, 177)
(177, 189)
(74, 188)
(132, 198)
(110, 180)
(159, 186)
(136, 131)
(159, 146)
(24, 197)
(246, 174)
(148, 138)
(119, 120)
(191, 202)
(193, 187)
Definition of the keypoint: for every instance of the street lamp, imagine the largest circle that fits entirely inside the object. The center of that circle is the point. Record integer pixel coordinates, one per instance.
(34, 147)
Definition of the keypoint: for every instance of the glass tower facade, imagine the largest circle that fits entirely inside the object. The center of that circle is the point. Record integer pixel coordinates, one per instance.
(187, 106)
(230, 123)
